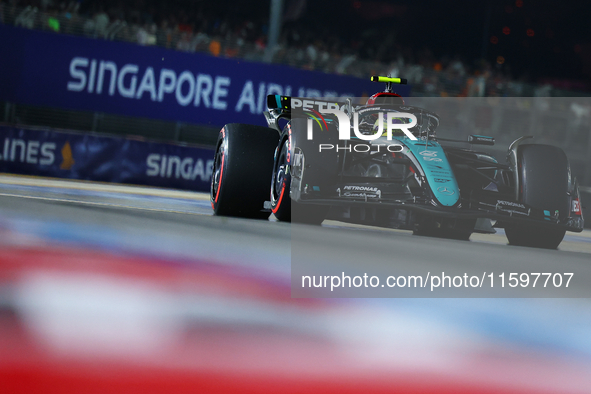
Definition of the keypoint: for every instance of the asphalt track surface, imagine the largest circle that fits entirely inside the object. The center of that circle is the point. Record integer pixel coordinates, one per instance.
(331, 249)
(528, 343)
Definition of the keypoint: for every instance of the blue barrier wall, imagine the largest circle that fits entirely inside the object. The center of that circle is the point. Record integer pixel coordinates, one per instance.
(105, 159)
(46, 69)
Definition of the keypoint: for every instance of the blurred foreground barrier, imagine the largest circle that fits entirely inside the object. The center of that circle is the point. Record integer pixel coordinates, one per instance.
(106, 159)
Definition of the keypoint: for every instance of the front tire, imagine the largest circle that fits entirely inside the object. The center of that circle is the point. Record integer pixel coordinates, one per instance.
(534, 237)
(543, 172)
(243, 164)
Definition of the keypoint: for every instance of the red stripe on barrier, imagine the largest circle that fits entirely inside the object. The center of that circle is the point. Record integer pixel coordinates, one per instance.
(71, 378)
(199, 275)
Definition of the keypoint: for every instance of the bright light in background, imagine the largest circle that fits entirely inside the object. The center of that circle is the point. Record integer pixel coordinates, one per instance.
(530, 32)
(519, 3)
(500, 59)
(506, 30)
(494, 40)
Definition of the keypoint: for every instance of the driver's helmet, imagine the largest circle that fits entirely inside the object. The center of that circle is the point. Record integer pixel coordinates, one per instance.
(385, 98)
(371, 125)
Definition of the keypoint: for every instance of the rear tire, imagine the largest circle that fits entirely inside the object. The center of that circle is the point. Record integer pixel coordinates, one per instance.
(543, 172)
(243, 165)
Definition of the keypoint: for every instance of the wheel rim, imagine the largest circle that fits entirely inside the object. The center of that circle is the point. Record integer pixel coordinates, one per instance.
(279, 173)
(217, 171)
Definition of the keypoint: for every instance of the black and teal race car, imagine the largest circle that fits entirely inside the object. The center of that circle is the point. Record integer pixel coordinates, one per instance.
(381, 163)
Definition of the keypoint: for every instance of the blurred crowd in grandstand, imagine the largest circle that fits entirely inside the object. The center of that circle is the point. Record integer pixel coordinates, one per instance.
(200, 27)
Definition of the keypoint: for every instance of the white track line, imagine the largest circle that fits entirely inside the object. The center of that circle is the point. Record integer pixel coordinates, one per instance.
(98, 204)
(19, 180)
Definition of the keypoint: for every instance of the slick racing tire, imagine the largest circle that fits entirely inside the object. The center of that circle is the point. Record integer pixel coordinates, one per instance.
(243, 164)
(282, 206)
(543, 172)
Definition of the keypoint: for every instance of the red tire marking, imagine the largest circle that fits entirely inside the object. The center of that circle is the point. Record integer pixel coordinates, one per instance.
(274, 210)
(217, 194)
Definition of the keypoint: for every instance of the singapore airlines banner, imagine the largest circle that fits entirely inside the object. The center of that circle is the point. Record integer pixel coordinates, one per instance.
(106, 159)
(46, 69)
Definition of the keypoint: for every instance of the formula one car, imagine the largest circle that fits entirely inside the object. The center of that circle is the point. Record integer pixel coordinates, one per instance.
(382, 164)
